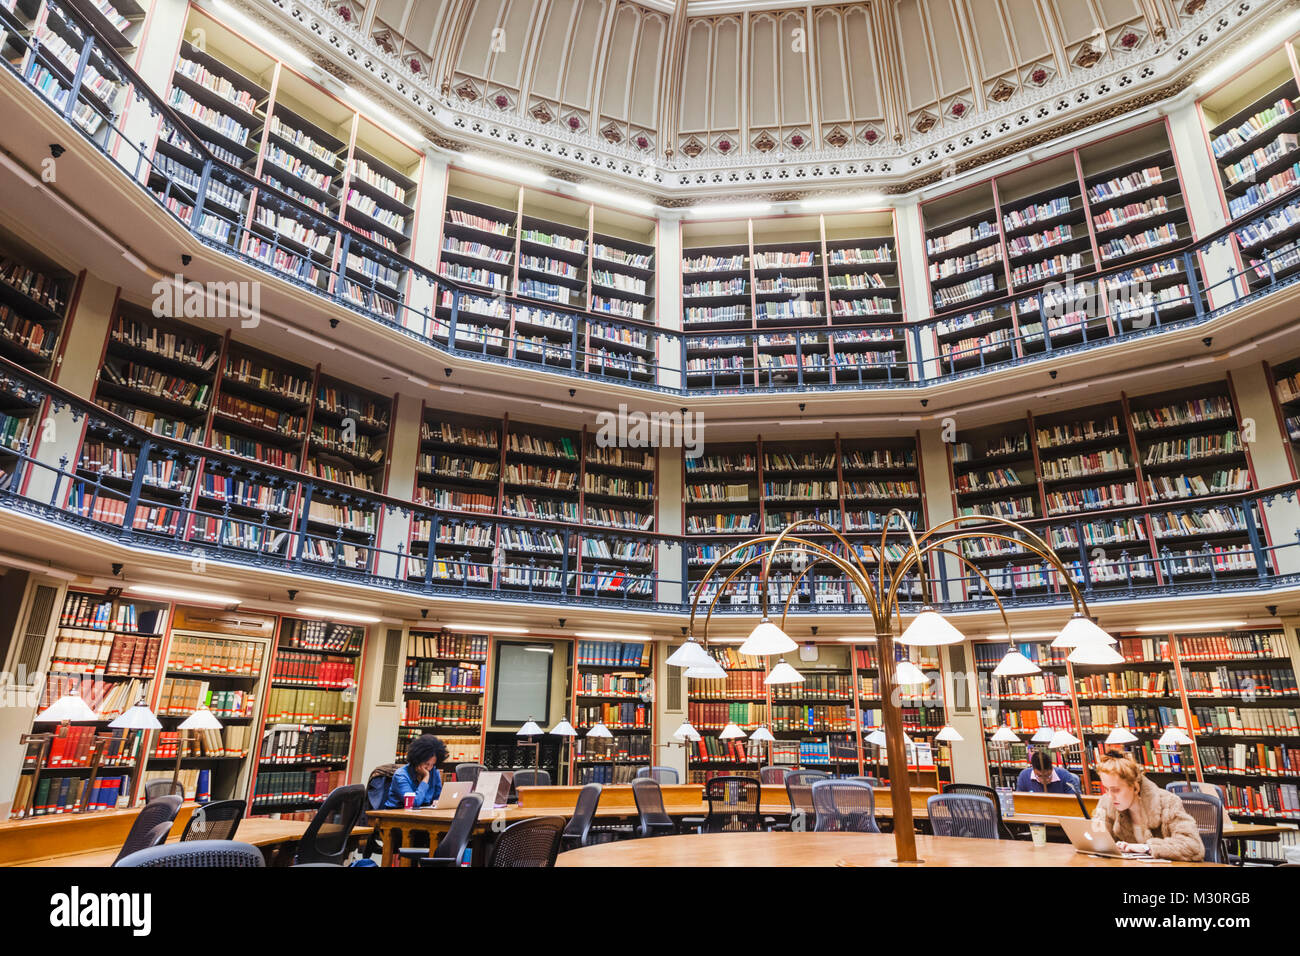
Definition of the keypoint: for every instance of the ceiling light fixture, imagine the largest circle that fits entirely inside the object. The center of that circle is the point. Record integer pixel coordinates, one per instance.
(862, 201)
(374, 111)
(1251, 52)
(261, 35)
(598, 194)
(614, 635)
(180, 594)
(486, 164)
(723, 209)
(489, 628)
(337, 615)
(1192, 626)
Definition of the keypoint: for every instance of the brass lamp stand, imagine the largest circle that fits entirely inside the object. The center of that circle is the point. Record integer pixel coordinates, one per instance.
(882, 600)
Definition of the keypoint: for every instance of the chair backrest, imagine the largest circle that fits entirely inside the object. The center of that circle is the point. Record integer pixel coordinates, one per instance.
(1207, 810)
(650, 809)
(379, 783)
(326, 839)
(869, 781)
(979, 790)
(798, 787)
(963, 815)
(161, 788)
(532, 842)
(468, 772)
(844, 806)
(1199, 786)
(224, 853)
(584, 810)
(152, 816)
(771, 775)
(527, 778)
(452, 845)
(660, 775)
(214, 821)
(734, 803)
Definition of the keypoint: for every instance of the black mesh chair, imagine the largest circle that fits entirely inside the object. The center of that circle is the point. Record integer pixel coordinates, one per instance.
(734, 803)
(534, 843)
(468, 772)
(979, 790)
(527, 778)
(653, 819)
(578, 829)
(161, 788)
(151, 818)
(214, 821)
(769, 776)
(963, 815)
(452, 845)
(844, 806)
(213, 853)
(326, 839)
(659, 775)
(1207, 810)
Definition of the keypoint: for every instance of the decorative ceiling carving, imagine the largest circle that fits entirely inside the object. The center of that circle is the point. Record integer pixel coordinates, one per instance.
(884, 86)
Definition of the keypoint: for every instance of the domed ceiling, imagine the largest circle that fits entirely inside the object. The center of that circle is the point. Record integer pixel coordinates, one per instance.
(659, 85)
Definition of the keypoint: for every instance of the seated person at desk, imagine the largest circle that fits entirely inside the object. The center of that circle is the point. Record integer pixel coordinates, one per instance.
(420, 774)
(1140, 816)
(1041, 777)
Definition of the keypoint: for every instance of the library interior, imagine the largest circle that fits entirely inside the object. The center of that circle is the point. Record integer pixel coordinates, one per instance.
(650, 433)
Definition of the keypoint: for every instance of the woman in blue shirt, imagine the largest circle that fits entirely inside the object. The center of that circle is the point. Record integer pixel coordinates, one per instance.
(420, 774)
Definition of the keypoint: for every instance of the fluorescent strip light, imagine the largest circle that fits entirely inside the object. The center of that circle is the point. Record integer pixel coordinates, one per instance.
(613, 635)
(730, 209)
(1018, 636)
(1272, 37)
(203, 597)
(486, 164)
(262, 35)
(614, 199)
(337, 615)
(1193, 626)
(863, 201)
(539, 650)
(486, 627)
(375, 111)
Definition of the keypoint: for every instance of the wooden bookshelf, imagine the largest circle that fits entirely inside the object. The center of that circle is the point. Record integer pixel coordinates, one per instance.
(120, 21)
(221, 660)
(443, 693)
(35, 295)
(1285, 379)
(612, 684)
(307, 730)
(623, 265)
(712, 703)
(963, 248)
(813, 722)
(924, 713)
(108, 649)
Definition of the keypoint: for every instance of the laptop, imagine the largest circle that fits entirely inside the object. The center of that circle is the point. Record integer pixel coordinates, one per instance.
(495, 787)
(1091, 838)
(451, 794)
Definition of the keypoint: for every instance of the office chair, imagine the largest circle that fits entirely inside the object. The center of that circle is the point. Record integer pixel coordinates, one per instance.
(202, 853)
(869, 781)
(659, 775)
(653, 819)
(798, 788)
(734, 803)
(468, 772)
(963, 815)
(326, 839)
(578, 829)
(534, 843)
(453, 843)
(151, 818)
(527, 778)
(844, 806)
(161, 788)
(214, 821)
(979, 790)
(1207, 810)
(773, 775)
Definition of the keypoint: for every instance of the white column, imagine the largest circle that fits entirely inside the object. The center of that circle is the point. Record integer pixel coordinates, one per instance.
(668, 298)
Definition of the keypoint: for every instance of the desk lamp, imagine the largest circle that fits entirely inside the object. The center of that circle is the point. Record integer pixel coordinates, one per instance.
(201, 719)
(531, 730)
(565, 729)
(137, 717)
(69, 709)
(1172, 740)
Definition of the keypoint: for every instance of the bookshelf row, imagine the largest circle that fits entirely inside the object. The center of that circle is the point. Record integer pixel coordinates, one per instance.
(282, 689)
(1233, 691)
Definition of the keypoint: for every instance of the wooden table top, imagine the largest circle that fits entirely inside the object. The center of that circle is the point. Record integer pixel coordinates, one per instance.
(830, 849)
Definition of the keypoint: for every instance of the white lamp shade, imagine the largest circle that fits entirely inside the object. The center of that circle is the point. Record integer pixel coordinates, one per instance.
(1080, 630)
(201, 719)
(529, 729)
(686, 732)
(1095, 654)
(930, 629)
(71, 707)
(600, 730)
(710, 669)
(730, 732)
(948, 734)
(138, 717)
(1174, 737)
(783, 673)
(1042, 735)
(1015, 664)
(1006, 735)
(907, 674)
(1120, 736)
(876, 737)
(690, 654)
(564, 729)
(1062, 738)
(762, 733)
(767, 639)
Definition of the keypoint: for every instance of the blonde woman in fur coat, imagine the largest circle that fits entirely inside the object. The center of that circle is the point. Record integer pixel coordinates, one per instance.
(1141, 817)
